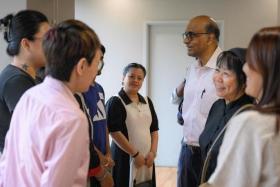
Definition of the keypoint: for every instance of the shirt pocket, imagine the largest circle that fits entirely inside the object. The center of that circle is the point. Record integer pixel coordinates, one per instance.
(206, 102)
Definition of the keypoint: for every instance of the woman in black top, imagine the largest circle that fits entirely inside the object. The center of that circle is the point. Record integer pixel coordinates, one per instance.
(229, 80)
(24, 33)
(133, 125)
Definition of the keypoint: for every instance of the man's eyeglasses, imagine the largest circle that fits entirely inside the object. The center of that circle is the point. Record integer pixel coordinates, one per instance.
(191, 35)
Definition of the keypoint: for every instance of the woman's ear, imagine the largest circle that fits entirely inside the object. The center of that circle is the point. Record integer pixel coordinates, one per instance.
(24, 43)
(81, 66)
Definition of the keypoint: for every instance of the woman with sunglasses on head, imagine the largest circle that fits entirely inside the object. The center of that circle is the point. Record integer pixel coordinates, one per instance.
(249, 155)
(23, 33)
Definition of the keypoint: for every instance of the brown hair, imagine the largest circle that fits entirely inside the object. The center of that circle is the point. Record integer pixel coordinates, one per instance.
(65, 44)
(263, 56)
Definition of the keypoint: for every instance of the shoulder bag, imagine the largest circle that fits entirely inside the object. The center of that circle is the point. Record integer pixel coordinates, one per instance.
(206, 162)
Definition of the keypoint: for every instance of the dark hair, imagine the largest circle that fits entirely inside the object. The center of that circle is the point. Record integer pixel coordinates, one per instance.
(263, 56)
(212, 27)
(65, 44)
(134, 65)
(103, 49)
(234, 60)
(25, 24)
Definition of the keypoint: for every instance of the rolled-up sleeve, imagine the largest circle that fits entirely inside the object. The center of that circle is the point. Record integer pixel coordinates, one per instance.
(175, 99)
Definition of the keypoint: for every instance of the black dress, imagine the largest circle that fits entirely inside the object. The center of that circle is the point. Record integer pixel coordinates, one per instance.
(219, 115)
(116, 116)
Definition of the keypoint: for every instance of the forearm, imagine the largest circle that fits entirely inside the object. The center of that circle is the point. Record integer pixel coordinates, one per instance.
(108, 150)
(154, 143)
(123, 143)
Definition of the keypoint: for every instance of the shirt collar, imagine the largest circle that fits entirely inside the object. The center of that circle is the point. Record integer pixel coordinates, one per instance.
(61, 87)
(213, 59)
(127, 100)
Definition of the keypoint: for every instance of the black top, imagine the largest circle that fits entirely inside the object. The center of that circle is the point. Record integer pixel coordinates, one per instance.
(219, 115)
(116, 116)
(13, 83)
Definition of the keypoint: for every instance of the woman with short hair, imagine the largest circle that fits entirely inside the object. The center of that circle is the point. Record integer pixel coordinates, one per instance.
(230, 83)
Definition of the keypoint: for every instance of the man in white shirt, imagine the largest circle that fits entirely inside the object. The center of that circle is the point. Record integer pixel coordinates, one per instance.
(201, 38)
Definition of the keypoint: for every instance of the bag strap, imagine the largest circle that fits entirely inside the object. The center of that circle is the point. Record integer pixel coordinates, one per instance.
(206, 162)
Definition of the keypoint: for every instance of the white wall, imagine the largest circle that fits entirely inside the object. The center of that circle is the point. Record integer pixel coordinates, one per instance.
(120, 25)
(7, 7)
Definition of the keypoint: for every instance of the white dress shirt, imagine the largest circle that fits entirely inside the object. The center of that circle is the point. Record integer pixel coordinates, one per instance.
(199, 95)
